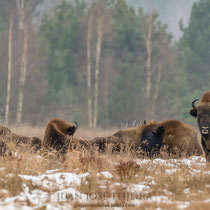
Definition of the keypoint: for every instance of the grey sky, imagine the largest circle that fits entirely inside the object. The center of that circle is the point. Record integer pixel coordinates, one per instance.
(170, 12)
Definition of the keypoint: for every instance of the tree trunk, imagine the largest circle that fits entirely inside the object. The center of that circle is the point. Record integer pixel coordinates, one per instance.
(21, 11)
(148, 63)
(22, 76)
(89, 98)
(157, 87)
(9, 70)
(106, 111)
(98, 54)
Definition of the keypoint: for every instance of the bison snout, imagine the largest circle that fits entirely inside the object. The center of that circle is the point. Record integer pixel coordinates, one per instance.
(205, 130)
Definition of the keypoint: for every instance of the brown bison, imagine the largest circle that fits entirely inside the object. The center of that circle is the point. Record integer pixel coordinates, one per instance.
(133, 139)
(176, 136)
(9, 136)
(202, 113)
(59, 136)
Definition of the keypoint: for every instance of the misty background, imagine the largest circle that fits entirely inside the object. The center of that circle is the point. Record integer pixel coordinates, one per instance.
(102, 63)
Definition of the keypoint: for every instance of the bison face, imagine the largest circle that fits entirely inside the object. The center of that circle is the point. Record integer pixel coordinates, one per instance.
(202, 113)
(203, 120)
(71, 130)
(152, 138)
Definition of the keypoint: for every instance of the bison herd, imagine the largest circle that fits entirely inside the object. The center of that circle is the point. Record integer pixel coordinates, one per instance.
(148, 139)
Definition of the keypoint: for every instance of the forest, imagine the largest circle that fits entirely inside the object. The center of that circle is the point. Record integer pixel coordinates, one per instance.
(101, 64)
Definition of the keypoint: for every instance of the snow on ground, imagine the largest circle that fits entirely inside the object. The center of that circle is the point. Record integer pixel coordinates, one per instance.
(55, 189)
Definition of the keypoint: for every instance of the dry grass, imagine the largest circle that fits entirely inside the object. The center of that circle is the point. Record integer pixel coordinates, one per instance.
(165, 182)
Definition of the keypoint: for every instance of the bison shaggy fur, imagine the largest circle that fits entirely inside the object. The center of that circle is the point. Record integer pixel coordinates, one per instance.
(59, 136)
(202, 113)
(18, 140)
(175, 136)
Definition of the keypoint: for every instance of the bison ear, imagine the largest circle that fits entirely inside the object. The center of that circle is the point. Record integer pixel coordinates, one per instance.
(193, 112)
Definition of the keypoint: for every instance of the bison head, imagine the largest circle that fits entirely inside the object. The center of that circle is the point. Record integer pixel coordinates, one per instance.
(202, 113)
(71, 130)
(152, 137)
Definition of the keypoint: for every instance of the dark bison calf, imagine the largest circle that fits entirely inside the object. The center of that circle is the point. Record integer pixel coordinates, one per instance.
(202, 113)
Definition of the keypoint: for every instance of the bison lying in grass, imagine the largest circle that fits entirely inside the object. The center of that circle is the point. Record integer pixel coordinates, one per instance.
(59, 136)
(175, 136)
(129, 139)
(178, 138)
(8, 136)
(202, 113)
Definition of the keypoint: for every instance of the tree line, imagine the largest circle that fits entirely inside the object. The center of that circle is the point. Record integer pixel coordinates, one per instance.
(101, 64)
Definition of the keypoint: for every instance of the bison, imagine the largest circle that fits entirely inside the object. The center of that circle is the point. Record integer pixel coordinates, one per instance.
(18, 140)
(202, 113)
(59, 136)
(176, 136)
(133, 139)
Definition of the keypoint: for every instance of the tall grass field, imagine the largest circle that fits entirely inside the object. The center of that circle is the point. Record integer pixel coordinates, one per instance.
(31, 180)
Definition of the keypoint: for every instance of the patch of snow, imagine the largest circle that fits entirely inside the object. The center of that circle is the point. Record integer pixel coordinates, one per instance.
(106, 174)
(117, 184)
(57, 180)
(195, 171)
(207, 172)
(207, 201)
(102, 187)
(51, 171)
(35, 196)
(160, 199)
(170, 171)
(35, 157)
(199, 158)
(137, 188)
(183, 205)
(4, 191)
(149, 177)
(187, 190)
(143, 161)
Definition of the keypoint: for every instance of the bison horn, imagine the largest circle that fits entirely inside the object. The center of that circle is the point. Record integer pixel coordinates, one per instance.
(76, 124)
(193, 103)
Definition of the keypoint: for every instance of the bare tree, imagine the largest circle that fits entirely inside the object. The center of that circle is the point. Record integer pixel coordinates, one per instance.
(89, 98)
(162, 51)
(22, 8)
(160, 55)
(149, 30)
(22, 77)
(98, 55)
(157, 87)
(96, 11)
(9, 69)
